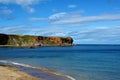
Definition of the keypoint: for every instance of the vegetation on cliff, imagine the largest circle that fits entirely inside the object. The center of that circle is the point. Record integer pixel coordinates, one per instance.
(33, 41)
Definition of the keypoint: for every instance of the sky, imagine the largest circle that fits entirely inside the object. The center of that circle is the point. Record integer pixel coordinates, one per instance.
(86, 21)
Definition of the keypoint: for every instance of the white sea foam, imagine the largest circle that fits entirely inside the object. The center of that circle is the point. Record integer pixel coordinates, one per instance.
(3, 61)
(21, 64)
(15, 63)
(70, 77)
(25, 65)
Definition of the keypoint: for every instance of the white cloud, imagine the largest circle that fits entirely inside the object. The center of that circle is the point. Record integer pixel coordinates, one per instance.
(57, 16)
(30, 9)
(87, 39)
(25, 29)
(72, 6)
(23, 3)
(76, 18)
(37, 19)
(53, 17)
(17, 29)
(93, 35)
(6, 11)
(69, 18)
(20, 2)
(98, 35)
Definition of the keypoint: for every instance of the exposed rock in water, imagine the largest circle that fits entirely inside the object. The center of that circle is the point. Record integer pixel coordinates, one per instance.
(33, 41)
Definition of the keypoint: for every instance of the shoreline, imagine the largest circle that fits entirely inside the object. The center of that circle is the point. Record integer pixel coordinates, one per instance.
(34, 73)
(11, 73)
(13, 46)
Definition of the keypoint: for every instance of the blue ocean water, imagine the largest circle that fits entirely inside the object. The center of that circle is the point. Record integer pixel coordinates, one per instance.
(83, 62)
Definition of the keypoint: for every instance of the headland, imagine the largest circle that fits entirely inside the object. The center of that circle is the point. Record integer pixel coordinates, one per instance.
(31, 41)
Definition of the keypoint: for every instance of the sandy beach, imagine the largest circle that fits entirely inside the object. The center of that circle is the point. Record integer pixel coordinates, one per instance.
(10, 73)
(18, 71)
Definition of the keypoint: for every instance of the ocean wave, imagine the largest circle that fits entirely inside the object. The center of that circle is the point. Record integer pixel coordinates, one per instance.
(11, 63)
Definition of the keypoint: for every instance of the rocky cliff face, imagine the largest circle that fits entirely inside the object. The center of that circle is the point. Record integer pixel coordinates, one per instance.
(33, 41)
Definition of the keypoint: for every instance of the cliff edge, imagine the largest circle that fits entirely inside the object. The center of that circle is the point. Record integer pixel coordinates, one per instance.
(33, 41)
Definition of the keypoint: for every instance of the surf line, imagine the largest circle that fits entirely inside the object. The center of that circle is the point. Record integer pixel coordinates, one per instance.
(70, 77)
(29, 66)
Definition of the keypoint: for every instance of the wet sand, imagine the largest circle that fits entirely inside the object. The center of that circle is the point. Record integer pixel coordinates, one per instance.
(10, 73)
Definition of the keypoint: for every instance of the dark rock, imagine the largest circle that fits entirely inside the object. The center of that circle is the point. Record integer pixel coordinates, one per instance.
(3, 39)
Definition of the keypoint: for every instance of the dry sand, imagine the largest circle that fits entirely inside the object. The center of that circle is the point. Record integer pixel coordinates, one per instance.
(10, 73)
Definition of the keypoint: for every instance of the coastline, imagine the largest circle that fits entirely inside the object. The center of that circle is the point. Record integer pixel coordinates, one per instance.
(14, 46)
(26, 72)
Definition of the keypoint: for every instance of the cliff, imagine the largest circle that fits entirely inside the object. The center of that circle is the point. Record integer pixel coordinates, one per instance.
(33, 41)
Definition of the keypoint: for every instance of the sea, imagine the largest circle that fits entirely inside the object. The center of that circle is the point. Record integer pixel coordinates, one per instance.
(82, 62)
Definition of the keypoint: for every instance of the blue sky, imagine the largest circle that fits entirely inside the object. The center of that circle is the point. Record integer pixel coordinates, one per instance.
(87, 21)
